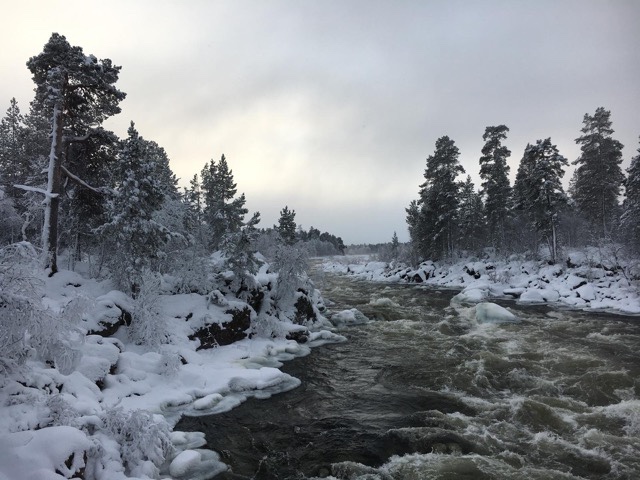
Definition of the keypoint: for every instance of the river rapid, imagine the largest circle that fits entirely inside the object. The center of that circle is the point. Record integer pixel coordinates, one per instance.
(424, 391)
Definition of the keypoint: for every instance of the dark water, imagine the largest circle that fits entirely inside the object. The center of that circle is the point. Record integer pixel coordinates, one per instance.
(425, 392)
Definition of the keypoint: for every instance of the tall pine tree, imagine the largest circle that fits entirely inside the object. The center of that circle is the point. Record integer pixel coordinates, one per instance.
(432, 219)
(630, 220)
(223, 213)
(496, 190)
(538, 190)
(599, 177)
(77, 91)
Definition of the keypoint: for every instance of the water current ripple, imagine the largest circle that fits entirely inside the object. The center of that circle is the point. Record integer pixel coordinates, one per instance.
(426, 392)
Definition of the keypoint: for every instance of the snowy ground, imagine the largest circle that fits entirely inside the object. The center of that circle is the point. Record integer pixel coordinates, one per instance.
(110, 415)
(590, 279)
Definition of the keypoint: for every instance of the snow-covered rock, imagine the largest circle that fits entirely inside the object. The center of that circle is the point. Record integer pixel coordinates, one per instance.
(487, 312)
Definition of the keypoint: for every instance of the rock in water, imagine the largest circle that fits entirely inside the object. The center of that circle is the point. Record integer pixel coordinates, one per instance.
(488, 312)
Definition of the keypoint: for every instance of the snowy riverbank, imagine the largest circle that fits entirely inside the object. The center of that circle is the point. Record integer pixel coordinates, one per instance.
(591, 279)
(105, 407)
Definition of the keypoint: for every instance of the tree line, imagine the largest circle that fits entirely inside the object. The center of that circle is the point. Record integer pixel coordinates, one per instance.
(66, 180)
(450, 216)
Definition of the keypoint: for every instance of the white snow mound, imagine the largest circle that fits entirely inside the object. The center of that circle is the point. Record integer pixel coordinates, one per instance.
(488, 312)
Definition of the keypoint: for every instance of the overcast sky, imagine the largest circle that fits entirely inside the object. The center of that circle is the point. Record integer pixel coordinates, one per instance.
(332, 107)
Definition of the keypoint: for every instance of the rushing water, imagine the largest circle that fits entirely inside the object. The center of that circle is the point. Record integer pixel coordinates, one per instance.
(425, 392)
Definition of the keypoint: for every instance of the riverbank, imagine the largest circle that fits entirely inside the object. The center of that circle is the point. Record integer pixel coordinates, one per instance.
(100, 401)
(591, 279)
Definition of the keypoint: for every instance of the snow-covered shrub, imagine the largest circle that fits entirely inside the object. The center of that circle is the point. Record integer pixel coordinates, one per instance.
(291, 263)
(26, 326)
(148, 327)
(61, 412)
(144, 440)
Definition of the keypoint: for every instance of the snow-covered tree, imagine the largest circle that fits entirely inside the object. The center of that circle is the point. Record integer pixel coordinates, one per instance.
(78, 91)
(538, 190)
(222, 212)
(496, 190)
(599, 177)
(471, 226)
(131, 228)
(432, 219)
(287, 225)
(14, 164)
(630, 220)
(395, 246)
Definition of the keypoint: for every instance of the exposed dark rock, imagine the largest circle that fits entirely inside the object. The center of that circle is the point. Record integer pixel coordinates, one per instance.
(581, 284)
(416, 278)
(304, 311)
(255, 300)
(300, 336)
(109, 326)
(225, 333)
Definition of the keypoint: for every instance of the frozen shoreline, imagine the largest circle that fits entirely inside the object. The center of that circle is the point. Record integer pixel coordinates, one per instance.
(112, 414)
(583, 282)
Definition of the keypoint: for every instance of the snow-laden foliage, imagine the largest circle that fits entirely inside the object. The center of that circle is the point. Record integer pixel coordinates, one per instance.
(148, 326)
(27, 328)
(144, 440)
(598, 178)
(494, 172)
(291, 264)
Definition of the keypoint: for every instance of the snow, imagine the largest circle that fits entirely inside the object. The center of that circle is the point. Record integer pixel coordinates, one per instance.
(589, 279)
(49, 416)
(352, 316)
(487, 312)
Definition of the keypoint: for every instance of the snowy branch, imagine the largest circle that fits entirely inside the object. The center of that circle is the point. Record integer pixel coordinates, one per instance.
(37, 190)
(78, 180)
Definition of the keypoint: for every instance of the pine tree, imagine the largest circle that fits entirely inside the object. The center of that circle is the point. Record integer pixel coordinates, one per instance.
(630, 220)
(470, 217)
(287, 225)
(78, 92)
(13, 161)
(599, 177)
(538, 190)
(435, 223)
(136, 237)
(223, 213)
(395, 246)
(496, 190)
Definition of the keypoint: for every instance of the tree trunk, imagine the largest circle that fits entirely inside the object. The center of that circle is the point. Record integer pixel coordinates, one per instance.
(54, 189)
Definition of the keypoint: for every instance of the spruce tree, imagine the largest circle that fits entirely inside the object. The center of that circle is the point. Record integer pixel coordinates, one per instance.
(287, 225)
(13, 160)
(223, 213)
(538, 190)
(436, 222)
(395, 246)
(471, 224)
(599, 177)
(630, 220)
(78, 92)
(136, 237)
(496, 190)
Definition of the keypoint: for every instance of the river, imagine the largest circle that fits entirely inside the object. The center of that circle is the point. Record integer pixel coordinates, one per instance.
(425, 392)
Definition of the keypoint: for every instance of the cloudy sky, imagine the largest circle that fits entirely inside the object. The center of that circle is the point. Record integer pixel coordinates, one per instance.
(332, 106)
